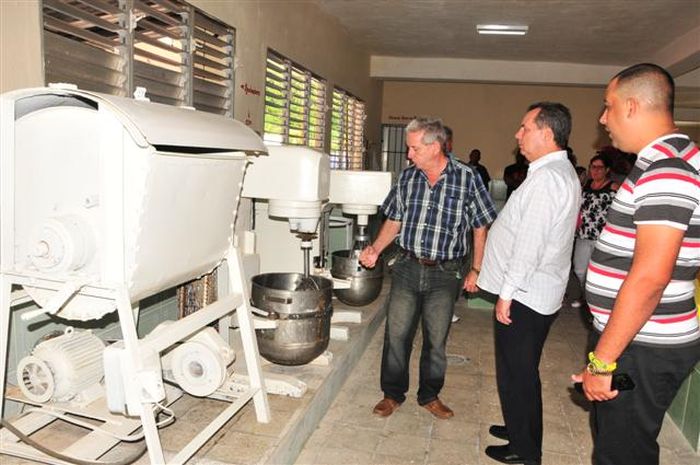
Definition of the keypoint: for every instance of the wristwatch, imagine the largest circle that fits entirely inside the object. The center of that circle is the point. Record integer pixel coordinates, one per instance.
(597, 367)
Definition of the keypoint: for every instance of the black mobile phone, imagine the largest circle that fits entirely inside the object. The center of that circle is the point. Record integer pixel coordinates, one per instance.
(620, 382)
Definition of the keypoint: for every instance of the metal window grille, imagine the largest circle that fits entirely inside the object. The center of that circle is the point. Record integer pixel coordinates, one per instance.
(213, 61)
(84, 44)
(347, 131)
(295, 102)
(180, 55)
(160, 49)
(394, 149)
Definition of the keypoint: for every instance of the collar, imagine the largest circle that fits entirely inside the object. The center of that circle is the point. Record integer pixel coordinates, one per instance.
(449, 168)
(652, 154)
(547, 159)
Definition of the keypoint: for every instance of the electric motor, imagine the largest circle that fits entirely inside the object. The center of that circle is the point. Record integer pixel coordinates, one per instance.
(62, 367)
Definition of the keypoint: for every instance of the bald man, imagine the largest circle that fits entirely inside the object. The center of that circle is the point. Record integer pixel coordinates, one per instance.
(640, 281)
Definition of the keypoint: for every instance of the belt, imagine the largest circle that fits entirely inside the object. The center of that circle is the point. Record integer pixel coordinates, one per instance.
(426, 261)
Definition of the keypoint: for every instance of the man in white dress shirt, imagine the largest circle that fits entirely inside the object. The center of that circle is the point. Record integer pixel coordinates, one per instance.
(526, 264)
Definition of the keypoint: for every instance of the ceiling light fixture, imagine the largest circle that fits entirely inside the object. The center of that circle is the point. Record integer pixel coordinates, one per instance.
(502, 29)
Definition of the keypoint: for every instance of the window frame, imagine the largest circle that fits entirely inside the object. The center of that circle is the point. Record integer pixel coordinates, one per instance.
(294, 105)
(182, 55)
(348, 116)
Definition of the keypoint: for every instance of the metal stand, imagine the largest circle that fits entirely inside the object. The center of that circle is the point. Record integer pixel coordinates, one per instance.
(140, 367)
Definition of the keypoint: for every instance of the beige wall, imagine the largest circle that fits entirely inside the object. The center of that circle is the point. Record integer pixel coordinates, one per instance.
(296, 29)
(20, 45)
(304, 34)
(486, 116)
(692, 131)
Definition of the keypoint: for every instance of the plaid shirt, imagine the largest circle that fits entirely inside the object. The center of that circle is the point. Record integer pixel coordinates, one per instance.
(435, 221)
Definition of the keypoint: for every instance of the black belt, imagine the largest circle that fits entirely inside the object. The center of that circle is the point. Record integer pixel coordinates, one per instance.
(426, 261)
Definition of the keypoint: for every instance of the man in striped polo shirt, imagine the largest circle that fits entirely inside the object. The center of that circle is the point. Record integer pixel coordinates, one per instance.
(430, 210)
(640, 282)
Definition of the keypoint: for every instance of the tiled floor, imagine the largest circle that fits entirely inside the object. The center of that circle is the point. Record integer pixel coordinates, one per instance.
(350, 434)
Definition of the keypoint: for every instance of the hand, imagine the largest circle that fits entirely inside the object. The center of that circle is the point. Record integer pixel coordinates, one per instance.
(368, 257)
(595, 388)
(470, 282)
(503, 311)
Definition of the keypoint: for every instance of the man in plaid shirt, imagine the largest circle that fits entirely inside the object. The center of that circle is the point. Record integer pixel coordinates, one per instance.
(429, 212)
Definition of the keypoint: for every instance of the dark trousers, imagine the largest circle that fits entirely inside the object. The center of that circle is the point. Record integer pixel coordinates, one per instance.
(424, 294)
(518, 351)
(626, 428)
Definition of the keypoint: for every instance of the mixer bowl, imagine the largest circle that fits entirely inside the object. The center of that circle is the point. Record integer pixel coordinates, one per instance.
(365, 283)
(302, 310)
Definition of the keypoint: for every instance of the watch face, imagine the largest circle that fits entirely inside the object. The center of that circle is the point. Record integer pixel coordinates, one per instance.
(596, 371)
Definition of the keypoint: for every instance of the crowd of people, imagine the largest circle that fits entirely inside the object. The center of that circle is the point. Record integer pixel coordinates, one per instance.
(634, 246)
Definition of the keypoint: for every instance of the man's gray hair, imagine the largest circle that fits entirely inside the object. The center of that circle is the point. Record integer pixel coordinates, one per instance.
(433, 129)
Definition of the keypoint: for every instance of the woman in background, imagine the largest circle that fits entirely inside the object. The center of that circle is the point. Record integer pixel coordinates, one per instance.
(596, 197)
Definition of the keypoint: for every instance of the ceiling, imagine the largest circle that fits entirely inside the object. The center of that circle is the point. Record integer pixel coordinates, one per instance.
(575, 42)
(610, 32)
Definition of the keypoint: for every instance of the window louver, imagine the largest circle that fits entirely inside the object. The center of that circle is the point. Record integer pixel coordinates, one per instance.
(295, 103)
(84, 45)
(212, 65)
(347, 131)
(179, 54)
(160, 53)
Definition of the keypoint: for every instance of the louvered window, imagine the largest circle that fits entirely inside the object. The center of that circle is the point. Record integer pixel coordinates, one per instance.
(213, 65)
(159, 39)
(295, 102)
(84, 44)
(347, 131)
(180, 55)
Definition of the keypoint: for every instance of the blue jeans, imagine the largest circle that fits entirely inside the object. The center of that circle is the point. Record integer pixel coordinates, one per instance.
(583, 249)
(426, 294)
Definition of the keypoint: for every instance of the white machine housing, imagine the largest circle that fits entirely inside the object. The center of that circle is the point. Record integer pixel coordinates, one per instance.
(359, 192)
(356, 192)
(107, 200)
(99, 189)
(295, 182)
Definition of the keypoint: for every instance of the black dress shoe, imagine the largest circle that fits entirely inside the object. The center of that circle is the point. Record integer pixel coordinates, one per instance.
(503, 454)
(499, 431)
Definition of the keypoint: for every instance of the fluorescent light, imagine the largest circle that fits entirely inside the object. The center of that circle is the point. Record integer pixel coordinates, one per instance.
(502, 29)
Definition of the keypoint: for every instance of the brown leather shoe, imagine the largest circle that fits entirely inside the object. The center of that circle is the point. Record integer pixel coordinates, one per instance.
(385, 407)
(439, 409)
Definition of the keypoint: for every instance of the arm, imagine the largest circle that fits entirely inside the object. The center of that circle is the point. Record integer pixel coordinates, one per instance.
(479, 239)
(386, 235)
(655, 253)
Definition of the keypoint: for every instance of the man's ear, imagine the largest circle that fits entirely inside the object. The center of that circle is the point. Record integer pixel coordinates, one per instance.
(549, 135)
(631, 106)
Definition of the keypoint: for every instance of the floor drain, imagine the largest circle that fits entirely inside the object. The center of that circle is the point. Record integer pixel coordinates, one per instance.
(457, 359)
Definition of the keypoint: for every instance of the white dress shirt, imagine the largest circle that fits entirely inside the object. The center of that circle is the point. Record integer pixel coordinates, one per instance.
(528, 249)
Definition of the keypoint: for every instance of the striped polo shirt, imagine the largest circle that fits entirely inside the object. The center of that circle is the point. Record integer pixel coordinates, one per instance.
(663, 188)
(435, 220)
